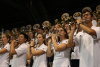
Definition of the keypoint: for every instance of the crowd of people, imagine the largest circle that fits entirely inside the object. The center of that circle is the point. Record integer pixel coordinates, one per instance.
(61, 45)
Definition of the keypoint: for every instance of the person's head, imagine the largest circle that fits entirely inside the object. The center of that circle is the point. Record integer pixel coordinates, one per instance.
(32, 34)
(98, 20)
(40, 30)
(57, 26)
(22, 38)
(41, 38)
(62, 33)
(5, 38)
(13, 37)
(46, 29)
(67, 27)
(88, 16)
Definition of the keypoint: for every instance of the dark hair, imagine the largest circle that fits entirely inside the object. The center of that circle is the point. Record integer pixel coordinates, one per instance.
(87, 11)
(66, 35)
(41, 28)
(7, 35)
(25, 35)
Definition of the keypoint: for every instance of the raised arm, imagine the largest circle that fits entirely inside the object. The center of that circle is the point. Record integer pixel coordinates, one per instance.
(86, 29)
(70, 40)
(38, 52)
(49, 51)
(57, 47)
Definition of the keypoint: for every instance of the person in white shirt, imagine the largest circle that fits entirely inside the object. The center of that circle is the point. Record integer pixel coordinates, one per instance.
(4, 51)
(60, 51)
(38, 52)
(20, 53)
(89, 41)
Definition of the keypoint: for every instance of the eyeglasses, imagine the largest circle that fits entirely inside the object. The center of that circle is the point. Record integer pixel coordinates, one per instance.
(60, 30)
(85, 15)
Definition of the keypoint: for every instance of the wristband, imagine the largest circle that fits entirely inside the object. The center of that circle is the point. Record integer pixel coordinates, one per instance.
(32, 46)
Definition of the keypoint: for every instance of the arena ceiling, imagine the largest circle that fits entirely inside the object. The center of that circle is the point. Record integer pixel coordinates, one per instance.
(17, 13)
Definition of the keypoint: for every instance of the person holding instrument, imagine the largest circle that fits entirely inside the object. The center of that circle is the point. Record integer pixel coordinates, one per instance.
(21, 51)
(60, 51)
(39, 52)
(4, 51)
(89, 41)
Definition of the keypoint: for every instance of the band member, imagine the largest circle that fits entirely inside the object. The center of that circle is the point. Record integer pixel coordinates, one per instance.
(4, 51)
(19, 53)
(60, 51)
(38, 52)
(88, 41)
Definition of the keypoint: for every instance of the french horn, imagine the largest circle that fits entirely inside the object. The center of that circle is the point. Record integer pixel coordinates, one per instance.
(36, 26)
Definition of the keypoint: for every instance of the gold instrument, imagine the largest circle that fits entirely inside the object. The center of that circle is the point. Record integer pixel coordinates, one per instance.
(77, 15)
(64, 18)
(36, 26)
(56, 21)
(22, 29)
(45, 24)
(28, 29)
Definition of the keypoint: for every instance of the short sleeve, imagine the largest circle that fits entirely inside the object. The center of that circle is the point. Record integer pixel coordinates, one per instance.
(7, 47)
(44, 48)
(65, 41)
(21, 49)
(97, 29)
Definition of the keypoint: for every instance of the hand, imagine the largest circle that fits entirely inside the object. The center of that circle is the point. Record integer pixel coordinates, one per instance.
(32, 43)
(49, 40)
(79, 21)
(73, 27)
(14, 41)
(53, 36)
(29, 62)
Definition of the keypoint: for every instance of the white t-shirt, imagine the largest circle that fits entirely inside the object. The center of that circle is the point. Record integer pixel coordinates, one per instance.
(62, 58)
(94, 22)
(75, 54)
(41, 60)
(21, 57)
(89, 47)
(4, 58)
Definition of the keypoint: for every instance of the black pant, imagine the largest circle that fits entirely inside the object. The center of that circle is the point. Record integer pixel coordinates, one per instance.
(74, 62)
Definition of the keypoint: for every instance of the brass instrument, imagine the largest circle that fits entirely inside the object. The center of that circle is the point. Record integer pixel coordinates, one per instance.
(45, 24)
(56, 21)
(64, 18)
(36, 26)
(22, 29)
(77, 15)
(28, 29)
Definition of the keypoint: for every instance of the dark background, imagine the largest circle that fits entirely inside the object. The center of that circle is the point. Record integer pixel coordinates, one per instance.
(18, 13)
